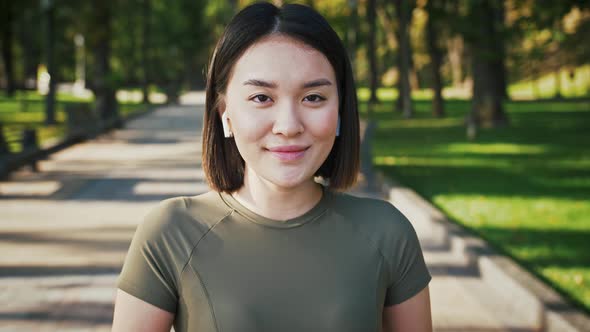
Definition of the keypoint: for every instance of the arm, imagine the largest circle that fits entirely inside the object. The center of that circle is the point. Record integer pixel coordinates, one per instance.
(133, 314)
(410, 315)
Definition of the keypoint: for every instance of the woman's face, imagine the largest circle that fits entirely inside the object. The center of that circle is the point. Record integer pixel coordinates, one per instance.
(282, 105)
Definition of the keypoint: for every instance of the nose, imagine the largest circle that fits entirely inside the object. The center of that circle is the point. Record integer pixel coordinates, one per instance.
(287, 121)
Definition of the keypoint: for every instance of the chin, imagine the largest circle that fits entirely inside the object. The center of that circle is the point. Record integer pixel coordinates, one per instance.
(289, 182)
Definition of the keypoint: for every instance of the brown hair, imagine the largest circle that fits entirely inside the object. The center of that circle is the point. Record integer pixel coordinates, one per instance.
(222, 162)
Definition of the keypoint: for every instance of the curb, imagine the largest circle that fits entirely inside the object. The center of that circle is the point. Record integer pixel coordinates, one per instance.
(543, 305)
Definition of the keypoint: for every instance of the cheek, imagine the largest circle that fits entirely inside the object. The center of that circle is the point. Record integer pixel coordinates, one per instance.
(249, 126)
(323, 124)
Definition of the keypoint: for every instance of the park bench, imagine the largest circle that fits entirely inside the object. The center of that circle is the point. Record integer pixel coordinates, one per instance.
(82, 122)
(18, 147)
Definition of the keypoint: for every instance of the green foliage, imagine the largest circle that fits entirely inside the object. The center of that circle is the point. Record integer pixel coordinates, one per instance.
(524, 188)
(549, 36)
(540, 37)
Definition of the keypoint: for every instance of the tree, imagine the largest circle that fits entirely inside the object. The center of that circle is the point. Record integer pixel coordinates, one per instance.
(435, 53)
(179, 43)
(49, 9)
(145, 46)
(404, 13)
(486, 42)
(104, 87)
(29, 23)
(352, 33)
(7, 36)
(371, 50)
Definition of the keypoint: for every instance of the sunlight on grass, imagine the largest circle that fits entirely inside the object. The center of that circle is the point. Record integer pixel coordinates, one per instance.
(524, 187)
(492, 148)
(545, 87)
(433, 161)
(425, 123)
(549, 235)
(514, 211)
(574, 280)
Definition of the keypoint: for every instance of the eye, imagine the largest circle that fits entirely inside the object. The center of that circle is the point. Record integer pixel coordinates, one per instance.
(260, 99)
(314, 98)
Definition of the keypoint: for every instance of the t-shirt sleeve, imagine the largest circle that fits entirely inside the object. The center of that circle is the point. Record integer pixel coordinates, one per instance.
(149, 271)
(409, 272)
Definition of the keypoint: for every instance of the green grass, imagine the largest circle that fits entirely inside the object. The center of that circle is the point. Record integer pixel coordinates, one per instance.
(26, 110)
(576, 85)
(525, 188)
(544, 87)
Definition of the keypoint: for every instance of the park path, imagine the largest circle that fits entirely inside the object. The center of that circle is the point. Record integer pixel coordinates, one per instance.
(64, 232)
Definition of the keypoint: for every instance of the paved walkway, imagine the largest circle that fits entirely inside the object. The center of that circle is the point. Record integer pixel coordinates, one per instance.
(64, 232)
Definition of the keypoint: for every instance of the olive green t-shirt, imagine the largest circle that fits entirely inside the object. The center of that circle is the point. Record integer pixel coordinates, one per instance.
(221, 267)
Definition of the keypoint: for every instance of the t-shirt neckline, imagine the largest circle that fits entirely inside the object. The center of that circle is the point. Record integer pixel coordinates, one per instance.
(312, 214)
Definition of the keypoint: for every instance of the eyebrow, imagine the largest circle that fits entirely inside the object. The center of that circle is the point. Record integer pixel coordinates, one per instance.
(273, 85)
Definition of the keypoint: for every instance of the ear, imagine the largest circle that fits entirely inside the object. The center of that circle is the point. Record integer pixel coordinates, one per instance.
(225, 122)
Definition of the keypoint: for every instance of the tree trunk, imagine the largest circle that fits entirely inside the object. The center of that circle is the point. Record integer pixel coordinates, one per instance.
(145, 35)
(7, 45)
(487, 109)
(352, 34)
(27, 28)
(106, 103)
(455, 53)
(558, 94)
(535, 85)
(499, 48)
(400, 87)
(435, 60)
(414, 78)
(371, 50)
(404, 11)
(49, 56)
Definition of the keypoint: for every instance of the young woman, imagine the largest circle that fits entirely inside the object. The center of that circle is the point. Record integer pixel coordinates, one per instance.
(269, 248)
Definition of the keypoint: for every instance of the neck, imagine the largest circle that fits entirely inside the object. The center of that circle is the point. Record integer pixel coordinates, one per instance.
(274, 202)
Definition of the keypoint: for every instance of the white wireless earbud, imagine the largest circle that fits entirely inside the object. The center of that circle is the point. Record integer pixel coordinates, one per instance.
(225, 123)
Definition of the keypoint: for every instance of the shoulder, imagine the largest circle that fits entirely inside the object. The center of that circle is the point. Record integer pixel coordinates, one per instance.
(208, 208)
(162, 216)
(370, 211)
(377, 219)
(181, 218)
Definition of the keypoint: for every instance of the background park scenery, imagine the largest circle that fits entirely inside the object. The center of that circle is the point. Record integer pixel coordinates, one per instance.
(481, 106)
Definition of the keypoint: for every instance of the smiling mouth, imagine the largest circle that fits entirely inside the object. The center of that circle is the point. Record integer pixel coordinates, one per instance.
(288, 153)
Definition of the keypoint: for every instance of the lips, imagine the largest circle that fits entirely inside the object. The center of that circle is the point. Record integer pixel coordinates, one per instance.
(288, 152)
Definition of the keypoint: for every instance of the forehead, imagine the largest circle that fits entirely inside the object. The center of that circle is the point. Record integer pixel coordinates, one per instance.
(284, 60)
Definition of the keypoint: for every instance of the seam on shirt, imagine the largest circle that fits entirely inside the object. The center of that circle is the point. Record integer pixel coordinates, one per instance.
(373, 242)
(394, 283)
(198, 275)
(328, 207)
(208, 298)
(379, 251)
(202, 237)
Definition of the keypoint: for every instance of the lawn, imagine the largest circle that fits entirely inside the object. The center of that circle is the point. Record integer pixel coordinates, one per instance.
(26, 110)
(525, 188)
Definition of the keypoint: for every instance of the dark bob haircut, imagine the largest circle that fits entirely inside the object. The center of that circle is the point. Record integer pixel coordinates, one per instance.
(222, 162)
